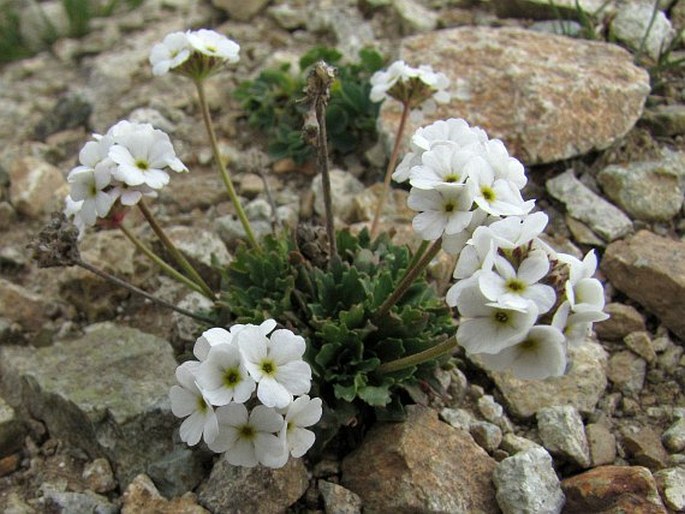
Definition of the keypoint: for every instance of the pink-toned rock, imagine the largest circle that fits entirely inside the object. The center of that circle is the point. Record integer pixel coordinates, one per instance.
(33, 186)
(650, 269)
(142, 497)
(548, 97)
(612, 490)
(420, 465)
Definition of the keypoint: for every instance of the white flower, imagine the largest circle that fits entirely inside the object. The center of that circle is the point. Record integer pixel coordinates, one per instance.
(276, 364)
(496, 196)
(72, 209)
(217, 336)
(141, 153)
(515, 288)
(442, 210)
(400, 75)
(131, 195)
(444, 164)
(576, 326)
(87, 187)
(455, 243)
(515, 231)
(173, 51)
(583, 292)
(504, 166)
(249, 440)
(213, 44)
(303, 412)
(541, 354)
(223, 376)
(487, 327)
(187, 401)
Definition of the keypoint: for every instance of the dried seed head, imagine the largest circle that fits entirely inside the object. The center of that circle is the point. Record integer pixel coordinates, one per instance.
(57, 243)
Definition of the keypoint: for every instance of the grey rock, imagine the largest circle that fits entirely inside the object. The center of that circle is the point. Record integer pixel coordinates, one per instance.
(41, 21)
(288, 16)
(527, 484)
(643, 446)
(458, 418)
(641, 344)
(665, 120)
(547, 97)
(99, 476)
(487, 435)
(671, 484)
(352, 32)
(344, 189)
(627, 372)
(581, 203)
(69, 502)
(631, 26)
(581, 387)
(559, 27)
(141, 496)
(650, 269)
(338, 500)
(36, 187)
(179, 471)
(259, 209)
(602, 444)
(647, 190)
(12, 430)
(231, 231)
(414, 17)
(623, 319)
(563, 434)
(106, 393)
(21, 306)
(674, 436)
(552, 9)
(69, 112)
(187, 329)
(259, 489)
(513, 443)
(240, 10)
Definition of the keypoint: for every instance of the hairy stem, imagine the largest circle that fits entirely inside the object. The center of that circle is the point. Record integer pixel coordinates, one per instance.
(389, 170)
(178, 256)
(223, 171)
(169, 270)
(407, 280)
(440, 349)
(122, 283)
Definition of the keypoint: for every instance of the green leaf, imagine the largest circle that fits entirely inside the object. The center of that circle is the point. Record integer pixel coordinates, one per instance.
(375, 396)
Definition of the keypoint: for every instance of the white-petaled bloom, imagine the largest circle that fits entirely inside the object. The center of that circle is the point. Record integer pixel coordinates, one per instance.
(173, 51)
(541, 354)
(187, 401)
(87, 186)
(131, 195)
(213, 44)
(250, 439)
(443, 164)
(216, 336)
(71, 210)
(411, 85)
(515, 231)
(576, 326)
(486, 327)
(505, 167)
(276, 364)
(444, 210)
(303, 412)
(583, 292)
(454, 131)
(142, 153)
(223, 376)
(455, 243)
(516, 288)
(496, 196)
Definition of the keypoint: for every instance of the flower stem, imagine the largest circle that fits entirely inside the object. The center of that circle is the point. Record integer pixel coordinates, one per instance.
(122, 283)
(440, 349)
(418, 253)
(389, 170)
(407, 280)
(223, 171)
(178, 256)
(160, 262)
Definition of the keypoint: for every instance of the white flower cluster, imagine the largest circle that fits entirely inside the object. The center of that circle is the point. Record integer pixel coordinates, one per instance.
(216, 389)
(460, 179)
(125, 164)
(520, 303)
(178, 47)
(413, 85)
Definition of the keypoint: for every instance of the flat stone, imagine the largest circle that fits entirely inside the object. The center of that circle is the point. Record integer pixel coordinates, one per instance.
(67, 501)
(338, 500)
(644, 447)
(633, 25)
(513, 443)
(581, 387)
(613, 490)
(527, 483)
(259, 489)
(180, 471)
(344, 190)
(105, 393)
(602, 444)
(12, 430)
(420, 465)
(674, 436)
(563, 434)
(487, 435)
(414, 17)
(604, 218)
(99, 476)
(641, 344)
(648, 190)
(240, 10)
(627, 372)
(36, 186)
(650, 269)
(19, 305)
(671, 483)
(665, 120)
(142, 497)
(551, 9)
(623, 319)
(458, 418)
(547, 97)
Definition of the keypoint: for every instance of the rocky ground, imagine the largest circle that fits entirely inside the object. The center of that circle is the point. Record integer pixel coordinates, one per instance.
(85, 424)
